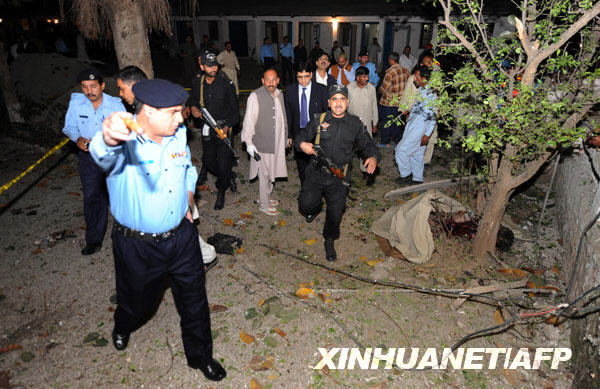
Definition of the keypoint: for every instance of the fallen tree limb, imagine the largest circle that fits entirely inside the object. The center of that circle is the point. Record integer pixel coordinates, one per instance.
(446, 183)
(488, 289)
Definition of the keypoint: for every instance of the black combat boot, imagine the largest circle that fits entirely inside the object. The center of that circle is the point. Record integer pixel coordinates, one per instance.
(330, 253)
(202, 177)
(220, 203)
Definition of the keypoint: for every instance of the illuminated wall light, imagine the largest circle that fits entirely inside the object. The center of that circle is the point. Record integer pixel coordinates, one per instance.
(334, 27)
(48, 20)
(1, 20)
(55, 21)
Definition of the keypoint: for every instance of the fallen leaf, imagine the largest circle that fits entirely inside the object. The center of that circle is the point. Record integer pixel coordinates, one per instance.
(498, 317)
(261, 302)
(305, 293)
(204, 188)
(554, 288)
(306, 284)
(555, 270)
(240, 250)
(281, 223)
(534, 271)
(518, 274)
(310, 241)
(552, 320)
(195, 160)
(257, 363)
(27, 356)
(504, 271)
(215, 308)
(272, 376)
(254, 384)
(73, 194)
(247, 215)
(36, 251)
(246, 338)
(419, 269)
(270, 341)
(321, 296)
(279, 332)
(10, 347)
(374, 262)
(228, 222)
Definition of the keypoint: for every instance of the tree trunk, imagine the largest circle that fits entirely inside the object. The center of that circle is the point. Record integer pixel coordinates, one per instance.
(493, 211)
(130, 35)
(8, 90)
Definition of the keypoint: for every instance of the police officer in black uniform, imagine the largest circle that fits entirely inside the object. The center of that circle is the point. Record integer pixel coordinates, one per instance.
(216, 92)
(151, 185)
(336, 132)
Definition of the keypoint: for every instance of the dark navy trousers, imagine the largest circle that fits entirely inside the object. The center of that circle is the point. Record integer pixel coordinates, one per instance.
(218, 160)
(317, 184)
(95, 198)
(141, 267)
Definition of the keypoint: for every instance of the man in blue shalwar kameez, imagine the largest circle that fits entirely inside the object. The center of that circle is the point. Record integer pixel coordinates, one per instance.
(420, 125)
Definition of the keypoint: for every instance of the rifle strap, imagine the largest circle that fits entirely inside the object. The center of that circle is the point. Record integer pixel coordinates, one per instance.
(202, 90)
(318, 137)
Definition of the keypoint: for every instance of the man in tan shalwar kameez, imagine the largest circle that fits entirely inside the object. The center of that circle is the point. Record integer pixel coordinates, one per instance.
(230, 65)
(265, 132)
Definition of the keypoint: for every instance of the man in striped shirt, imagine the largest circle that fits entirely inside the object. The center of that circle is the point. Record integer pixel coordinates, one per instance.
(391, 90)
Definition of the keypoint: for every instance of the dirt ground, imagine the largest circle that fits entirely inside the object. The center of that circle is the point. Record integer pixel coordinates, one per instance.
(57, 306)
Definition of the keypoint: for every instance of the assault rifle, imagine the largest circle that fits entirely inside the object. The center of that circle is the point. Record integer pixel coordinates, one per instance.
(331, 167)
(220, 132)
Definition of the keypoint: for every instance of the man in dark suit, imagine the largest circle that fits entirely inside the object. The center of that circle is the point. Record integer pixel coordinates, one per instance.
(303, 101)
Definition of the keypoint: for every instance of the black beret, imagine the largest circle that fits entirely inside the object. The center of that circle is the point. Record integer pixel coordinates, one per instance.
(363, 52)
(208, 58)
(159, 93)
(337, 88)
(361, 71)
(89, 74)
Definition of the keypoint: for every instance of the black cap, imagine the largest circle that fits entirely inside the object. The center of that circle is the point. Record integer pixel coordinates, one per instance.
(208, 58)
(89, 74)
(363, 52)
(159, 93)
(337, 88)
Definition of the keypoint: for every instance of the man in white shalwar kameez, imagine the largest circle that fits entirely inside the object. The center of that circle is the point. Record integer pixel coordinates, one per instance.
(265, 132)
(230, 65)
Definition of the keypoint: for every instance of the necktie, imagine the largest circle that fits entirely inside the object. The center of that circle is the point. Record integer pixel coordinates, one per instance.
(303, 110)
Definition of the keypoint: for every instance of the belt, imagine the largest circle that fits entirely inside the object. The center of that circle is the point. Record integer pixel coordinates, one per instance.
(148, 236)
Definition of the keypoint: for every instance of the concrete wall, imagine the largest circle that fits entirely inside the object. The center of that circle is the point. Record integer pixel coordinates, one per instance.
(577, 200)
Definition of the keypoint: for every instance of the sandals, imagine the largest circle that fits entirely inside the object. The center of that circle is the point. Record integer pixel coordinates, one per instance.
(274, 203)
(271, 211)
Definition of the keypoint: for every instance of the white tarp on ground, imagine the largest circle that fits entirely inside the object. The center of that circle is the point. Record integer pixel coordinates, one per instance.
(406, 226)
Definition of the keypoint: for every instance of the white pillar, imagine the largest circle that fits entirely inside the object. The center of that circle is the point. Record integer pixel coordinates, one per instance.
(259, 35)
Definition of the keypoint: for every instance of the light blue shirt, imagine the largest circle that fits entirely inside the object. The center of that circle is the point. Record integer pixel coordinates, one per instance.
(266, 51)
(287, 51)
(147, 183)
(422, 114)
(85, 121)
(373, 76)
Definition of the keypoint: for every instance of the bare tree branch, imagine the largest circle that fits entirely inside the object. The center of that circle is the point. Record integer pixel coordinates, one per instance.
(466, 43)
(533, 63)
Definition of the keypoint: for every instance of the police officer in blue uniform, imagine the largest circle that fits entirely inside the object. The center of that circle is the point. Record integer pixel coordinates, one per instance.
(84, 119)
(151, 186)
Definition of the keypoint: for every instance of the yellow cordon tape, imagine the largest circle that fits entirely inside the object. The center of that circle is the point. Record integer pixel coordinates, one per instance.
(30, 168)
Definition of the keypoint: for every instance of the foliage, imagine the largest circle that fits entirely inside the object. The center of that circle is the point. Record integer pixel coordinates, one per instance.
(491, 101)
